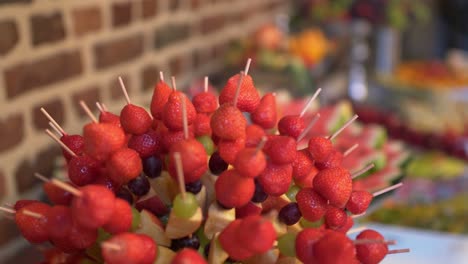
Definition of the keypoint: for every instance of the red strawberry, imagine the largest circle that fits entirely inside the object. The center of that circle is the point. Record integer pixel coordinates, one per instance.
(230, 243)
(333, 160)
(102, 139)
(172, 112)
(347, 226)
(169, 138)
(32, 228)
(59, 221)
(334, 185)
(108, 117)
(371, 253)
(276, 179)
(305, 241)
(94, 207)
(128, 252)
(80, 237)
(359, 202)
(334, 248)
(319, 148)
(228, 122)
(228, 149)
(281, 149)
(335, 218)
(121, 219)
(265, 114)
(248, 99)
(194, 159)
(188, 256)
(307, 181)
(311, 204)
(249, 209)
(233, 190)
(291, 125)
(22, 203)
(56, 195)
(147, 144)
(135, 120)
(160, 97)
(83, 170)
(302, 164)
(253, 135)
(205, 102)
(75, 143)
(249, 162)
(201, 125)
(256, 234)
(124, 165)
(149, 249)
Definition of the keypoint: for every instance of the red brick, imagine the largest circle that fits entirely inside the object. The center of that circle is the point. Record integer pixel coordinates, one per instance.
(114, 86)
(170, 34)
(195, 4)
(3, 189)
(174, 5)
(121, 14)
(8, 232)
(24, 176)
(149, 8)
(176, 66)
(45, 161)
(9, 33)
(90, 95)
(12, 131)
(27, 76)
(15, 2)
(86, 20)
(118, 51)
(212, 23)
(149, 77)
(54, 107)
(47, 28)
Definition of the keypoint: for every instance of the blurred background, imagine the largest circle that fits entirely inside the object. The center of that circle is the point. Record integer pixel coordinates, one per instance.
(402, 65)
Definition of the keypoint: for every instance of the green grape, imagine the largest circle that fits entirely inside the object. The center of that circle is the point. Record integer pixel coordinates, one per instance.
(287, 244)
(202, 237)
(185, 208)
(291, 193)
(135, 219)
(207, 143)
(306, 224)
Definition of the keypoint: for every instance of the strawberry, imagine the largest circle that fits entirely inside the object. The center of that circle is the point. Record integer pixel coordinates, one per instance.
(319, 148)
(75, 143)
(253, 135)
(291, 125)
(248, 99)
(108, 117)
(276, 179)
(124, 165)
(83, 170)
(56, 194)
(172, 112)
(201, 125)
(302, 164)
(347, 226)
(101, 139)
(194, 159)
(304, 243)
(228, 122)
(94, 207)
(188, 255)
(335, 218)
(307, 181)
(33, 229)
(169, 138)
(79, 237)
(121, 219)
(146, 144)
(160, 97)
(22, 203)
(333, 160)
(256, 234)
(249, 209)
(228, 149)
(135, 120)
(205, 102)
(281, 149)
(371, 253)
(249, 162)
(265, 114)
(129, 251)
(233, 190)
(359, 202)
(311, 204)
(59, 221)
(334, 248)
(230, 243)
(149, 249)
(334, 185)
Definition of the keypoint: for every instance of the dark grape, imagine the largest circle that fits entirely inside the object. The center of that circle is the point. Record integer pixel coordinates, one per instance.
(194, 187)
(124, 193)
(290, 214)
(206, 250)
(139, 186)
(259, 194)
(152, 167)
(185, 242)
(216, 164)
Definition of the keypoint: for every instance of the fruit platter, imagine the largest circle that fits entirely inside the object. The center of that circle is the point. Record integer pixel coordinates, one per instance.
(207, 179)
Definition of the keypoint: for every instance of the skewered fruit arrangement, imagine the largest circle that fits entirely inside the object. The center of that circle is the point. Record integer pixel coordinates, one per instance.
(195, 182)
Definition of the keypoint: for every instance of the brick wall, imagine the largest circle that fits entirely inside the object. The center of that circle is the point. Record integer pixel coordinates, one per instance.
(55, 53)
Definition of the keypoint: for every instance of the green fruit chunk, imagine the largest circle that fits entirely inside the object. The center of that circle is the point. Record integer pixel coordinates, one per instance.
(135, 219)
(185, 208)
(291, 193)
(306, 224)
(287, 244)
(207, 143)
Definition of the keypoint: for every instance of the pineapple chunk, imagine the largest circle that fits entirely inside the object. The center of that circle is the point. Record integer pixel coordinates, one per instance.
(269, 257)
(217, 254)
(179, 227)
(165, 187)
(151, 226)
(288, 260)
(218, 218)
(165, 255)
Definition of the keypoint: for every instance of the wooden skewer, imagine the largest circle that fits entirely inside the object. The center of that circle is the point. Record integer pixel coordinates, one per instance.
(393, 187)
(66, 187)
(236, 95)
(247, 66)
(362, 171)
(261, 144)
(110, 245)
(41, 177)
(104, 107)
(161, 76)
(88, 111)
(205, 86)
(343, 127)
(180, 173)
(56, 139)
(358, 215)
(99, 106)
(304, 110)
(397, 251)
(356, 230)
(309, 127)
(51, 119)
(373, 241)
(174, 87)
(124, 90)
(184, 117)
(351, 149)
(7, 210)
(55, 129)
(32, 214)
